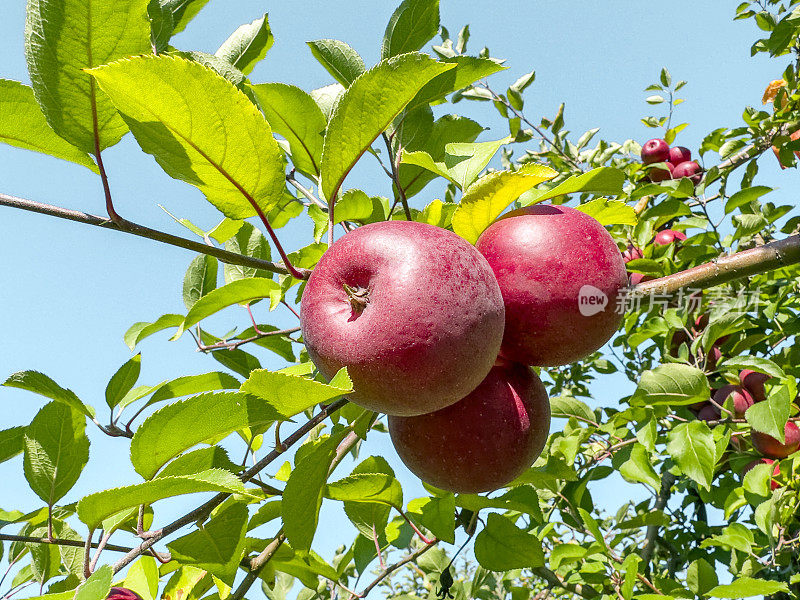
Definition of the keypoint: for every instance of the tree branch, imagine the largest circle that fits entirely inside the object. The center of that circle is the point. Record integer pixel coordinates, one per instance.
(203, 510)
(667, 481)
(767, 257)
(145, 232)
(60, 542)
(554, 580)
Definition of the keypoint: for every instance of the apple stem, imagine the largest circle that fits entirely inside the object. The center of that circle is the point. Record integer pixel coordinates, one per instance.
(359, 298)
(378, 548)
(253, 320)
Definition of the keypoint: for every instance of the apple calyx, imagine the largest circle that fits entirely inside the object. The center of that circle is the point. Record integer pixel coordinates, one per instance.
(359, 298)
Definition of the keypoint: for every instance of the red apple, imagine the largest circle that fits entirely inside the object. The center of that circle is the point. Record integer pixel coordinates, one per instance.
(632, 253)
(688, 169)
(657, 174)
(713, 357)
(769, 446)
(774, 485)
(753, 382)
(656, 150)
(121, 593)
(412, 310)
(709, 412)
(482, 442)
(561, 274)
(668, 236)
(679, 154)
(742, 400)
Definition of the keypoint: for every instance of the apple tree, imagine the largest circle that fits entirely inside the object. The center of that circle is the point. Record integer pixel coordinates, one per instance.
(707, 339)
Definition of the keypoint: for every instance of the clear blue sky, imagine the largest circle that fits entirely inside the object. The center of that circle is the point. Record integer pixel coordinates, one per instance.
(68, 292)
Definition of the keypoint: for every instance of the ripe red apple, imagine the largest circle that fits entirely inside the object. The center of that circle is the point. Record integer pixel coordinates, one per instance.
(708, 412)
(713, 357)
(561, 274)
(688, 169)
(679, 154)
(769, 446)
(632, 253)
(121, 593)
(742, 400)
(657, 174)
(412, 310)
(753, 382)
(774, 485)
(482, 442)
(655, 150)
(666, 237)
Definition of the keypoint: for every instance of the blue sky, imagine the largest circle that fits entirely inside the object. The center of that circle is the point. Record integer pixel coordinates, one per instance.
(68, 292)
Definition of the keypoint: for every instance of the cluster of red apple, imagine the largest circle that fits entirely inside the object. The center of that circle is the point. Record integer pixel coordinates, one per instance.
(665, 237)
(740, 396)
(673, 163)
(440, 335)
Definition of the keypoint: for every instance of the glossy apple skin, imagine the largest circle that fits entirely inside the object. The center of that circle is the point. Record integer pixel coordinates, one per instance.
(121, 593)
(542, 256)
(655, 150)
(742, 400)
(688, 169)
(657, 174)
(482, 442)
(668, 236)
(432, 326)
(679, 154)
(753, 382)
(708, 412)
(772, 448)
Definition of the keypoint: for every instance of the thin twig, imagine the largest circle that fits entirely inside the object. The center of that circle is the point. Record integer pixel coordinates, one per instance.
(393, 567)
(223, 345)
(257, 564)
(58, 542)
(290, 178)
(141, 231)
(204, 509)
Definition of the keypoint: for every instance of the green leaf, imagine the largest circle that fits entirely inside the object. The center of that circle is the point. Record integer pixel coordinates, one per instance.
(567, 406)
(639, 469)
(603, 180)
(609, 212)
(770, 416)
(241, 291)
(747, 587)
(183, 424)
(123, 381)
(56, 450)
(468, 70)
(64, 38)
(465, 161)
(339, 59)
(200, 128)
(247, 45)
(367, 487)
(630, 566)
(701, 577)
(95, 508)
(248, 241)
(745, 196)
(735, 535)
(217, 546)
(673, 384)
(39, 383)
(366, 108)
(97, 586)
(756, 363)
(288, 395)
(412, 25)
(445, 130)
(302, 496)
(183, 11)
(11, 442)
(200, 279)
(295, 115)
(437, 515)
(139, 331)
(501, 546)
(142, 578)
(691, 445)
(22, 124)
(202, 459)
(194, 384)
(488, 197)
